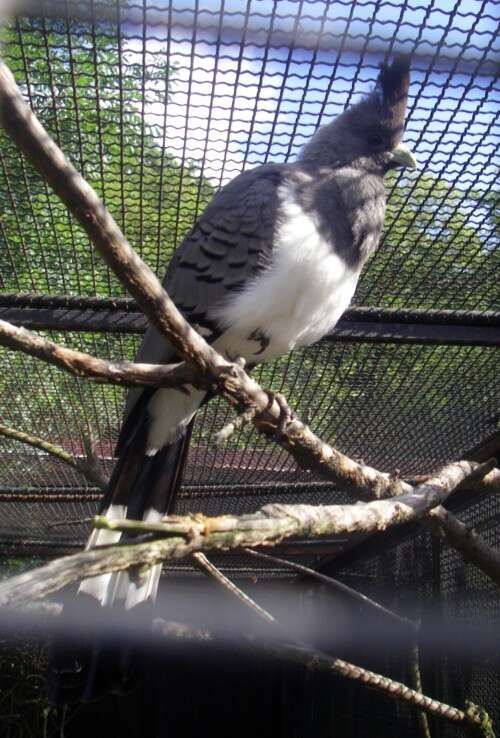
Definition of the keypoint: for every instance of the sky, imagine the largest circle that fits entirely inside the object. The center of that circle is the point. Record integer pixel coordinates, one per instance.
(254, 79)
(245, 105)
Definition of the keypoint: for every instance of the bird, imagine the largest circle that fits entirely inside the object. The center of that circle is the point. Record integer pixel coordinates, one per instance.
(270, 265)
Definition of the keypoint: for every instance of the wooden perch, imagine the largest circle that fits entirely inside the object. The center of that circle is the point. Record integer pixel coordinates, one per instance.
(192, 533)
(122, 373)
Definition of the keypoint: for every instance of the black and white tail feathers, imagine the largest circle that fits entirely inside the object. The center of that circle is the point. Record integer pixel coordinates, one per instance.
(142, 486)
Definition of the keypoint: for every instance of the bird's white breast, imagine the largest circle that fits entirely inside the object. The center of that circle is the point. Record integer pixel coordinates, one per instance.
(295, 301)
(298, 298)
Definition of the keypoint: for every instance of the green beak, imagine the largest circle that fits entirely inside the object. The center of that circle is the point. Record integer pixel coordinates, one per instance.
(403, 156)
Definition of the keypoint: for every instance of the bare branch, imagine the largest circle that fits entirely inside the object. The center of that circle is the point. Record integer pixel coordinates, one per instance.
(373, 483)
(270, 525)
(123, 373)
(335, 585)
(40, 443)
(416, 675)
(227, 431)
(490, 483)
(467, 541)
(203, 563)
(89, 467)
(391, 688)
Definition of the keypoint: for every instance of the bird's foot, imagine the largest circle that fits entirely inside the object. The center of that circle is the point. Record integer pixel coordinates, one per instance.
(286, 413)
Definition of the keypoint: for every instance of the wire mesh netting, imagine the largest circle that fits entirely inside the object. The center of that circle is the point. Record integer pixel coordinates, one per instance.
(409, 416)
(159, 106)
(457, 606)
(160, 110)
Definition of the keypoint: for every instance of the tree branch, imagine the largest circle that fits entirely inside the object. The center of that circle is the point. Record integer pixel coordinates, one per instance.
(467, 541)
(40, 443)
(193, 533)
(88, 467)
(416, 677)
(123, 373)
(206, 566)
(334, 585)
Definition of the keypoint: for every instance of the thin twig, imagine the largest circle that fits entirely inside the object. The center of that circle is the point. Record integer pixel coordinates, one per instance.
(40, 443)
(203, 563)
(416, 678)
(88, 467)
(334, 584)
(71, 521)
(246, 416)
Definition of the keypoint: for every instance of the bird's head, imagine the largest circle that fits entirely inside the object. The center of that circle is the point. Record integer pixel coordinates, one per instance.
(368, 134)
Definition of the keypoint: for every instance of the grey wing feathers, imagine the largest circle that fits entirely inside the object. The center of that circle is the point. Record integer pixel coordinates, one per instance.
(229, 243)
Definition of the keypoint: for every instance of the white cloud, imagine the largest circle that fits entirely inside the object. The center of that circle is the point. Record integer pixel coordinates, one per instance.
(214, 106)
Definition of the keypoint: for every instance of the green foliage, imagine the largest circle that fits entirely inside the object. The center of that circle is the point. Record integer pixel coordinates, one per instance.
(92, 94)
(437, 250)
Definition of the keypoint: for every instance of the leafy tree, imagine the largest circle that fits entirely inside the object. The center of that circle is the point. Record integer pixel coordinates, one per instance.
(92, 93)
(437, 250)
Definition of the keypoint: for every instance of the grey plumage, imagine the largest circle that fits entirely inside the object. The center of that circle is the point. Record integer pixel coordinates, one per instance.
(337, 179)
(266, 254)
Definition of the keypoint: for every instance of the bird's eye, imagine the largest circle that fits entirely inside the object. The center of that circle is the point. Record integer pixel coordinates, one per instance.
(374, 139)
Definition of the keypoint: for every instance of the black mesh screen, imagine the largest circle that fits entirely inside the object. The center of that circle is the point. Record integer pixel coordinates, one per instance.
(159, 105)
(429, 583)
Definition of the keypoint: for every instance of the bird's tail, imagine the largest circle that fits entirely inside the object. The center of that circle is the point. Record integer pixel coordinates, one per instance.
(143, 487)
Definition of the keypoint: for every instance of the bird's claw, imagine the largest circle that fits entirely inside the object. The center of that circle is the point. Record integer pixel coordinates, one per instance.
(286, 414)
(236, 359)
